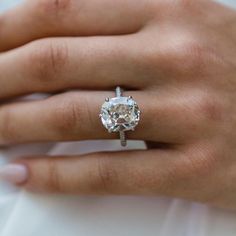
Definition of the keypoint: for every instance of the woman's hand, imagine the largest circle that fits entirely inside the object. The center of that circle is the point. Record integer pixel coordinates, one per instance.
(177, 58)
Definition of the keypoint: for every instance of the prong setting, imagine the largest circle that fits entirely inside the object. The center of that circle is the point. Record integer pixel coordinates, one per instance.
(120, 114)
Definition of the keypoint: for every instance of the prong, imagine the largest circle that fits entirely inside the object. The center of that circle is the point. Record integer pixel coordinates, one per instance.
(100, 115)
(129, 98)
(107, 99)
(109, 131)
(133, 129)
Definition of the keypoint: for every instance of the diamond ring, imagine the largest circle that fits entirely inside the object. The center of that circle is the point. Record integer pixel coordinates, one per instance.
(120, 114)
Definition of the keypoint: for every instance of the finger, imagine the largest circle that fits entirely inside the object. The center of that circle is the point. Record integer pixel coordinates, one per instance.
(74, 116)
(47, 18)
(59, 64)
(168, 172)
(101, 173)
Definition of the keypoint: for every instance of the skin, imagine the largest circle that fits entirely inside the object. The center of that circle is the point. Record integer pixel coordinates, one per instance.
(177, 58)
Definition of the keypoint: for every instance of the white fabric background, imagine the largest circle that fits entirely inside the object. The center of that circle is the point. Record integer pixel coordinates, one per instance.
(24, 214)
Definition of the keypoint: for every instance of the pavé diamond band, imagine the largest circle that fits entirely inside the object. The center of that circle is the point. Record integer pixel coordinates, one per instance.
(120, 114)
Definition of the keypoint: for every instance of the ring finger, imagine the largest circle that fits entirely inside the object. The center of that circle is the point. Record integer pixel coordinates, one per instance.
(74, 116)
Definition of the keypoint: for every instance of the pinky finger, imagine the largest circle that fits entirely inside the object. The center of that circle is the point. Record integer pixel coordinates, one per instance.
(131, 172)
(154, 172)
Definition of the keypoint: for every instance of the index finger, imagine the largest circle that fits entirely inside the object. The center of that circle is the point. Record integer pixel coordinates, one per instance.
(50, 18)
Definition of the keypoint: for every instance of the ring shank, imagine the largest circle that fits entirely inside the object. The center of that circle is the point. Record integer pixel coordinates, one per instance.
(123, 140)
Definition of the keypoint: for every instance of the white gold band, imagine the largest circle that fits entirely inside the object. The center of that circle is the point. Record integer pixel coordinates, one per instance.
(123, 140)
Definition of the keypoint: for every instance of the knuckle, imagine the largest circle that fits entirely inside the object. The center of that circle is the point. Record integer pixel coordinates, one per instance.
(47, 60)
(179, 6)
(67, 115)
(203, 162)
(7, 129)
(53, 180)
(193, 57)
(187, 57)
(53, 8)
(209, 108)
(105, 176)
(184, 3)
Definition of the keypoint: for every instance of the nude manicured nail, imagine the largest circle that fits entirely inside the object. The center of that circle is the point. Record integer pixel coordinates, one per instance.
(14, 173)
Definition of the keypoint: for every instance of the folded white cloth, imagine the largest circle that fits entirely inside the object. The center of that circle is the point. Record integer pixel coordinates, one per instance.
(25, 214)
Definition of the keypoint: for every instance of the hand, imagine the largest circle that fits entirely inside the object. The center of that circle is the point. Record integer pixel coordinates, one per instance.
(176, 58)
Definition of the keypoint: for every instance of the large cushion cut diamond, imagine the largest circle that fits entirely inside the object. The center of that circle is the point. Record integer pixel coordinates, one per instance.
(120, 114)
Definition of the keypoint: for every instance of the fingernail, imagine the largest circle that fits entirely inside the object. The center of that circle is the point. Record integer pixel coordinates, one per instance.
(14, 173)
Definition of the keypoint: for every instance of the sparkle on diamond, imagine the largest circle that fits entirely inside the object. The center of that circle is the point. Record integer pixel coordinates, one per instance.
(120, 114)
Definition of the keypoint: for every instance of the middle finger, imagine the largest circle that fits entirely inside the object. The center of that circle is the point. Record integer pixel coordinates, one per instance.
(58, 64)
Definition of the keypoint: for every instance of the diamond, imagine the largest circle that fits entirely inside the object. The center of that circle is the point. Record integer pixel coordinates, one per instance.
(120, 114)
